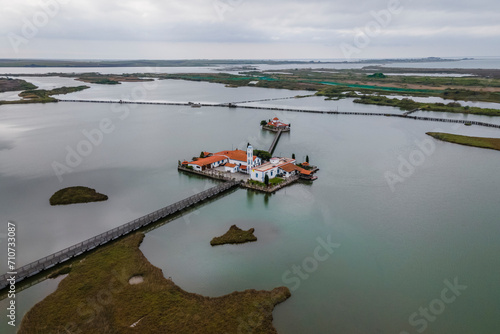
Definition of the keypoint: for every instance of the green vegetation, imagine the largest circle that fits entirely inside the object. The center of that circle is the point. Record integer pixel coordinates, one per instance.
(307, 158)
(408, 104)
(403, 104)
(275, 181)
(377, 75)
(338, 92)
(63, 271)
(265, 81)
(264, 155)
(106, 79)
(263, 122)
(96, 297)
(338, 84)
(272, 182)
(74, 195)
(235, 235)
(43, 95)
(266, 180)
(256, 183)
(464, 72)
(469, 95)
(481, 142)
(11, 85)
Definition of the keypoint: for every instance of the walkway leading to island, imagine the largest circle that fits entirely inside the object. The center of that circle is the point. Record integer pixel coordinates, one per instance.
(103, 238)
(275, 141)
(410, 112)
(404, 115)
(274, 99)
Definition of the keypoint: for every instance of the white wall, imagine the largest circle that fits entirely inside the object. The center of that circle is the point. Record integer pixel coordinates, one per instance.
(261, 175)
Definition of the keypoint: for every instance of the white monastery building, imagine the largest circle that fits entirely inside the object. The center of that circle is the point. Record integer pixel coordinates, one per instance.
(245, 162)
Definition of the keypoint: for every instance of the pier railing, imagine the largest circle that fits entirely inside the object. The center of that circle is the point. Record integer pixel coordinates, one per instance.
(103, 238)
(403, 115)
(275, 141)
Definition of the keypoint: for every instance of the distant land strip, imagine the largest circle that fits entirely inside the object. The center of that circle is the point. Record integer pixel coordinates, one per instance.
(481, 142)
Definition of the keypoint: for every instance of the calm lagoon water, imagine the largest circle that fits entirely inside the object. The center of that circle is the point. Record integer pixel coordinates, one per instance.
(395, 250)
(477, 62)
(178, 91)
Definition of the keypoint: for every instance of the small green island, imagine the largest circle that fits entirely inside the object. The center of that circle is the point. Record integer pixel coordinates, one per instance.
(117, 290)
(43, 95)
(73, 195)
(10, 85)
(106, 79)
(481, 142)
(235, 235)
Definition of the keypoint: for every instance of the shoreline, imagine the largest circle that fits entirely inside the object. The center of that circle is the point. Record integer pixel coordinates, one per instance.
(155, 305)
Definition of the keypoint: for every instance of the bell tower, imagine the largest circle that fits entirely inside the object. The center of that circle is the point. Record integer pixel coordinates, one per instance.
(249, 159)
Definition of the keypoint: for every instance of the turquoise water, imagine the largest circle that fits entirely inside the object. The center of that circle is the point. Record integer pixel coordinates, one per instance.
(394, 249)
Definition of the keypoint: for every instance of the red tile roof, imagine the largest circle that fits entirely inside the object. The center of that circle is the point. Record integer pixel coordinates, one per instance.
(277, 124)
(291, 167)
(230, 165)
(238, 155)
(208, 161)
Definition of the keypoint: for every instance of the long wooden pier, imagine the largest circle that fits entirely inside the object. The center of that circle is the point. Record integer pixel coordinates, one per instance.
(272, 99)
(275, 141)
(103, 238)
(404, 115)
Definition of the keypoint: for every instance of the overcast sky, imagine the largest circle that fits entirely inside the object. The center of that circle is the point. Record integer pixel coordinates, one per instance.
(292, 29)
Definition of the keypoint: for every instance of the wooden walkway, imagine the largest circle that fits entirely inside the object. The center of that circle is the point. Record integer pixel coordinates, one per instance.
(275, 141)
(273, 99)
(103, 238)
(420, 118)
(410, 112)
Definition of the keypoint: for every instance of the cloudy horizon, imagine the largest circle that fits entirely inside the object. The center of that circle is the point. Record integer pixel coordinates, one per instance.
(241, 29)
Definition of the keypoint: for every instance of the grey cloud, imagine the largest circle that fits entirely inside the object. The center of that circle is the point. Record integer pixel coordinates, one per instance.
(323, 22)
